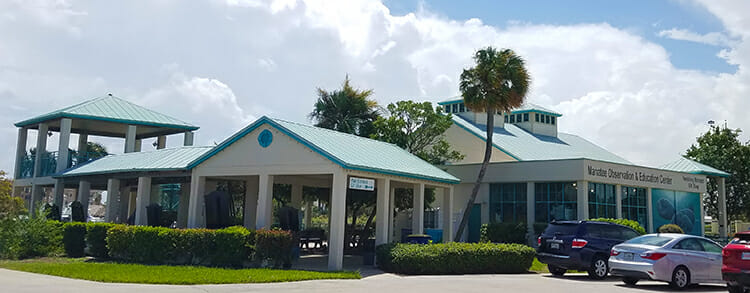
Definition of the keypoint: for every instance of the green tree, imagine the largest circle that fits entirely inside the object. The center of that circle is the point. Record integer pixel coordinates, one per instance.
(347, 110)
(10, 206)
(721, 148)
(419, 129)
(498, 83)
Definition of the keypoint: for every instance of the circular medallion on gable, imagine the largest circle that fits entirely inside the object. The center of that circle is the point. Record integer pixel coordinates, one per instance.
(265, 138)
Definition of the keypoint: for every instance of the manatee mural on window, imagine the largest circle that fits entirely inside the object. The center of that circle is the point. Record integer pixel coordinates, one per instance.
(677, 207)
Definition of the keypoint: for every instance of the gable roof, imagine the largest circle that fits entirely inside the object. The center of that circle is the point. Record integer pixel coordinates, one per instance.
(525, 146)
(170, 159)
(112, 109)
(686, 165)
(348, 151)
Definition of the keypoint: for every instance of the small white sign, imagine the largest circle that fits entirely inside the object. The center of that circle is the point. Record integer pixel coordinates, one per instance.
(361, 183)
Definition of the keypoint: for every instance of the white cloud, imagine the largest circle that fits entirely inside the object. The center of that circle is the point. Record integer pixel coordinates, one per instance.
(712, 38)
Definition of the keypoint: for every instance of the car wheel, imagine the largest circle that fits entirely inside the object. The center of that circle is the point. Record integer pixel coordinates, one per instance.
(680, 278)
(736, 288)
(630, 281)
(599, 268)
(556, 271)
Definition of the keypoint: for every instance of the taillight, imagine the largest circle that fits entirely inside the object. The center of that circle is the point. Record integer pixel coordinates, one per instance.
(539, 241)
(653, 255)
(725, 253)
(579, 243)
(614, 252)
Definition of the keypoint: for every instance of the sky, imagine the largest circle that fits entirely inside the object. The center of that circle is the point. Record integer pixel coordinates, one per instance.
(639, 78)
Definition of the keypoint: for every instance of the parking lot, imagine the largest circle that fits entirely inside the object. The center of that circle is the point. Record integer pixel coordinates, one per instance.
(13, 281)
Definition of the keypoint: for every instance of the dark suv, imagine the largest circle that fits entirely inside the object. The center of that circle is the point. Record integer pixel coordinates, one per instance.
(580, 245)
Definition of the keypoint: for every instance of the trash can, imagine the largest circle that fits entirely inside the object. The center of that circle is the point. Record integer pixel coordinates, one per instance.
(368, 252)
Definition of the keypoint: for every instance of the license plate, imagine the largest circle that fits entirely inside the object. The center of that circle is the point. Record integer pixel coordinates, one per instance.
(746, 255)
(627, 256)
(554, 245)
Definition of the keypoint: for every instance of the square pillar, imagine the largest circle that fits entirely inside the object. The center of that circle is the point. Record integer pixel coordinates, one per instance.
(447, 214)
(41, 148)
(308, 214)
(189, 136)
(195, 207)
(130, 138)
(382, 211)
(83, 140)
(531, 212)
(251, 202)
(37, 191)
(59, 193)
(182, 209)
(296, 196)
(723, 228)
(618, 201)
(62, 148)
(337, 222)
(417, 214)
(84, 192)
(161, 142)
(138, 145)
(113, 200)
(23, 134)
(391, 203)
(124, 212)
(650, 211)
(264, 215)
(583, 199)
(142, 200)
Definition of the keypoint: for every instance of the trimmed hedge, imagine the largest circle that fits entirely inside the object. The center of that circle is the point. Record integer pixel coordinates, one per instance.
(504, 233)
(625, 222)
(274, 246)
(158, 245)
(74, 239)
(670, 228)
(455, 258)
(96, 239)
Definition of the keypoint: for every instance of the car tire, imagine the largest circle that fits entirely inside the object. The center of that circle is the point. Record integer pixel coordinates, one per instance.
(599, 268)
(680, 278)
(556, 271)
(736, 288)
(630, 281)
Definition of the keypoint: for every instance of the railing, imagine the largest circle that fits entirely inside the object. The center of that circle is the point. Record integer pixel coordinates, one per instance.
(49, 163)
(27, 167)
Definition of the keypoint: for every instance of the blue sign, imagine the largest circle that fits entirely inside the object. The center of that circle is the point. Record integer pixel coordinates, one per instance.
(265, 138)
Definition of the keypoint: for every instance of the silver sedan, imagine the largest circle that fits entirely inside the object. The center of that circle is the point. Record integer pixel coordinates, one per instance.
(679, 259)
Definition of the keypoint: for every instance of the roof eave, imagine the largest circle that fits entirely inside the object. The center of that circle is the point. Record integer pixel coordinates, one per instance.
(44, 118)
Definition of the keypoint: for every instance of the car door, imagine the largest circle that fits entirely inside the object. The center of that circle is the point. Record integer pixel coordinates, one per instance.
(713, 255)
(690, 254)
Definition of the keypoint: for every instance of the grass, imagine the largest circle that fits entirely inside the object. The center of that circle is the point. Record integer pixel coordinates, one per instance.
(110, 272)
(540, 268)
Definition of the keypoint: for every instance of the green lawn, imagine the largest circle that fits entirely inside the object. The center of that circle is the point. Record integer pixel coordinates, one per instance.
(184, 275)
(540, 268)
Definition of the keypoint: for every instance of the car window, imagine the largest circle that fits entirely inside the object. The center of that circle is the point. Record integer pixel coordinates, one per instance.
(691, 244)
(652, 240)
(741, 239)
(710, 246)
(563, 229)
(596, 231)
(627, 234)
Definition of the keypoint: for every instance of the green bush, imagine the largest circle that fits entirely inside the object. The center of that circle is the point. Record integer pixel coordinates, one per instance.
(670, 228)
(74, 239)
(30, 237)
(96, 239)
(274, 246)
(52, 212)
(455, 258)
(504, 233)
(625, 222)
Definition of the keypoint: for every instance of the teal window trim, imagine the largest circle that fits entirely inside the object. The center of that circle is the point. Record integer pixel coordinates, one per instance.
(506, 118)
(547, 199)
(516, 204)
(525, 117)
(512, 118)
(454, 108)
(602, 200)
(634, 205)
(461, 108)
(553, 120)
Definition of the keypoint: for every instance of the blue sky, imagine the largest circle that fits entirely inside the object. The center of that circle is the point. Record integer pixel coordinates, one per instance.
(641, 17)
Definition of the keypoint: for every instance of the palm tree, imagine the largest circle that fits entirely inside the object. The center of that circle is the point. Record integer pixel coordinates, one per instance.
(346, 110)
(498, 83)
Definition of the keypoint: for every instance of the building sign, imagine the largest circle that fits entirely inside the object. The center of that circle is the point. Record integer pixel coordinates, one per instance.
(361, 183)
(611, 173)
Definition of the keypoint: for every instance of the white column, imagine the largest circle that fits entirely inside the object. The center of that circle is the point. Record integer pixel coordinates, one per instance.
(113, 200)
(130, 138)
(195, 210)
(530, 212)
(618, 201)
(182, 209)
(448, 214)
(84, 192)
(392, 202)
(161, 142)
(722, 209)
(308, 214)
(417, 213)
(337, 222)
(41, 148)
(138, 145)
(36, 197)
(297, 196)
(142, 199)
(64, 143)
(23, 134)
(264, 216)
(382, 213)
(124, 204)
(189, 136)
(59, 193)
(83, 139)
(649, 211)
(583, 199)
(251, 202)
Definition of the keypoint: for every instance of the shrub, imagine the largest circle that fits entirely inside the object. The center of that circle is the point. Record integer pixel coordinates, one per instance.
(625, 222)
(96, 239)
(275, 246)
(74, 239)
(76, 212)
(455, 258)
(233, 246)
(504, 233)
(30, 237)
(52, 212)
(670, 228)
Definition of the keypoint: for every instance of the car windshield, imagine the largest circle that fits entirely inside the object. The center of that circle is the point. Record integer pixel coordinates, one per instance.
(563, 229)
(652, 240)
(741, 239)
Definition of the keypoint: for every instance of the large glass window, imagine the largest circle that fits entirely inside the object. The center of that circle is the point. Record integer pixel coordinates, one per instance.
(634, 205)
(454, 108)
(536, 117)
(461, 108)
(506, 118)
(602, 202)
(512, 118)
(525, 117)
(508, 202)
(555, 201)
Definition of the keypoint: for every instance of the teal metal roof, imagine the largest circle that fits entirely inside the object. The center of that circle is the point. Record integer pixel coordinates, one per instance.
(112, 109)
(686, 165)
(525, 146)
(349, 151)
(170, 159)
(529, 107)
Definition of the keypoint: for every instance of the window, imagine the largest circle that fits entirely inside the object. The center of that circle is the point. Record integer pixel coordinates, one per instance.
(553, 120)
(454, 108)
(431, 219)
(447, 108)
(602, 203)
(525, 117)
(508, 202)
(546, 119)
(627, 234)
(506, 118)
(555, 201)
(689, 244)
(634, 205)
(518, 118)
(536, 117)
(461, 108)
(652, 240)
(709, 246)
(512, 118)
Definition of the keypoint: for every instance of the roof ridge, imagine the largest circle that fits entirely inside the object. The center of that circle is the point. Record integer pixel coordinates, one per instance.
(331, 130)
(110, 96)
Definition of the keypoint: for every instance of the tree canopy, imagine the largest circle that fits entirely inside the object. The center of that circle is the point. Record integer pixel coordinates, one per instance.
(347, 110)
(10, 206)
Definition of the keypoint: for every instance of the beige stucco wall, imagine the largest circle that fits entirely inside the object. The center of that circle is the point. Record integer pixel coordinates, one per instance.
(471, 146)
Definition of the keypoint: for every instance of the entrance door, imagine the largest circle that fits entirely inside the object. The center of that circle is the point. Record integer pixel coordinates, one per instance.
(475, 223)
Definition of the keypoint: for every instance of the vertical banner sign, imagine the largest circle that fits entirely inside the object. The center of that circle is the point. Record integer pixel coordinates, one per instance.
(361, 183)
